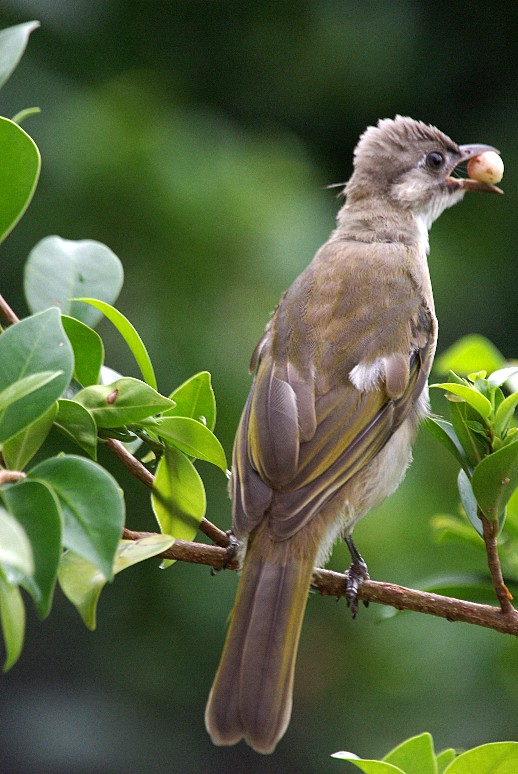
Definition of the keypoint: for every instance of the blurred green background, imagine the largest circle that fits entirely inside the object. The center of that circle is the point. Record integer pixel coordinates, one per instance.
(196, 139)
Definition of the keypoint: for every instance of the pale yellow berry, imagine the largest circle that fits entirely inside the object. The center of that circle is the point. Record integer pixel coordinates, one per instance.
(488, 167)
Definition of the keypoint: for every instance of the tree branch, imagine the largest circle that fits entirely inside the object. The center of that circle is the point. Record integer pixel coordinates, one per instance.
(137, 469)
(7, 313)
(490, 533)
(329, 583)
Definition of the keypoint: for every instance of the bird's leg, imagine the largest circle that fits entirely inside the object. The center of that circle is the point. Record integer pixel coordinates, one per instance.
(354, 576)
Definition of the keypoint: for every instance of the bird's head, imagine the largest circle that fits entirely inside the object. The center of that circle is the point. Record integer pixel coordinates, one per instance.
(410, 164)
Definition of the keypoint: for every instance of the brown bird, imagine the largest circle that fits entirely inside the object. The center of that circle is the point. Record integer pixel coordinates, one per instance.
(339, 390)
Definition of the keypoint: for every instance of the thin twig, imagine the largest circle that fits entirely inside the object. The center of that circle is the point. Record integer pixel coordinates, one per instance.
(196, 553)
(137, 469)
(7, 313)
(490, 533)
(130, 462)
(329, 583)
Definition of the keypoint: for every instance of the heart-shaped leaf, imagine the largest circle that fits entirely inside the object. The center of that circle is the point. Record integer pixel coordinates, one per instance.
(59, 269)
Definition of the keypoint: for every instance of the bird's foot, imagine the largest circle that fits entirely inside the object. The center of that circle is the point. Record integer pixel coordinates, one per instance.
(354, 577)
(231, 549)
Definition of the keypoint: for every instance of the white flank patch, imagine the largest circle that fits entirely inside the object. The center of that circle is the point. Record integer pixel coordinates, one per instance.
(367, 376)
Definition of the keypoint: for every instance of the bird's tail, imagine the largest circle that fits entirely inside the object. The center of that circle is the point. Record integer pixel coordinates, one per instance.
(251, 696)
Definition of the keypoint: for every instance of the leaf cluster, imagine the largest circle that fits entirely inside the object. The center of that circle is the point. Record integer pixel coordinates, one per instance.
(61, 517)
(482, 436)
(417, 756)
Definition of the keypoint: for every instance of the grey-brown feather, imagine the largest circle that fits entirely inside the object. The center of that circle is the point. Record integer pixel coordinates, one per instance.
(303, 383)
(251, 696)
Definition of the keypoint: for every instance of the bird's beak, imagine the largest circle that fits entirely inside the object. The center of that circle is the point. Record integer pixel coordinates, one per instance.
(468, 152)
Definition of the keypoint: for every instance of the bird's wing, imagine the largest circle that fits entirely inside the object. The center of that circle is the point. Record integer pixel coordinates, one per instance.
(295, 449)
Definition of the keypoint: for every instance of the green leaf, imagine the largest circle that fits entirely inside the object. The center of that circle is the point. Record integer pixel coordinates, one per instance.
(368, 766)
(13, 42)
(78, 425)
(19, 171)
(60, 269)
(82, 582)
(178, 496)
(15, 549)
(472, 396)
(504, 414)
(414, 756)
(493, 758)
(123, 402)
(495, 479)
(21, 448)
(12, 616)
(34, 507)
(92, 507)
(474, 446)
(444, 758)
(192, 438)
(195, 399)
(130, 336)
(471, 353)
(34, 345)
(26, 386)
(88, 350)
(469, 501)
(448, 527)
(512, 510)
(443, 431)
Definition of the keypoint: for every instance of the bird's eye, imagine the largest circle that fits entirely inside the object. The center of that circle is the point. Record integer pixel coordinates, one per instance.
(434, 160)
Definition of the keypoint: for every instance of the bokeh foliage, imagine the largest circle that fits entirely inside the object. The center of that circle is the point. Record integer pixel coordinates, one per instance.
(196, 138)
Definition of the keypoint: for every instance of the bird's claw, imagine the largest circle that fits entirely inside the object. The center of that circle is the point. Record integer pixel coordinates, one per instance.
(231, 549)
(354, 578)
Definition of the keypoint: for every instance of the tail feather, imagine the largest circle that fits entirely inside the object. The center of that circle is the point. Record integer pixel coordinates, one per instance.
(252, 693)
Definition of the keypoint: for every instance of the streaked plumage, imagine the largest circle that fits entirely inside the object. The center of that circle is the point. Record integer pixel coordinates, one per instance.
(326, 434)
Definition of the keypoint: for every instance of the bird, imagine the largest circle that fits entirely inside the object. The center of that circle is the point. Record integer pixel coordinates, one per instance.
(339, 390)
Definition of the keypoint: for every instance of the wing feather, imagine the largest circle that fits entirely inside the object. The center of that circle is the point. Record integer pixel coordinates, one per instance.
(303, 437)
